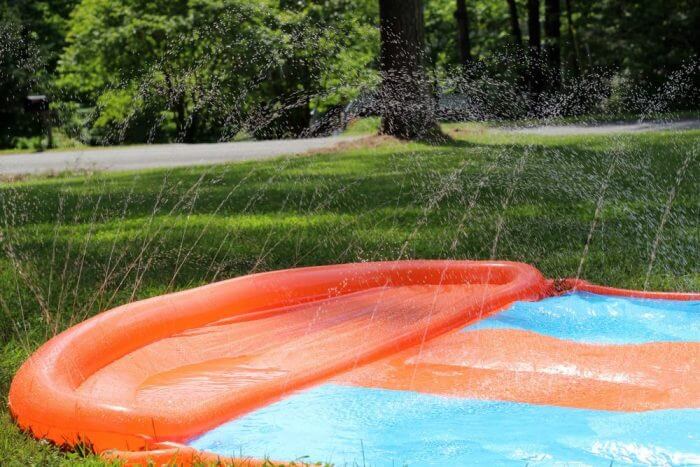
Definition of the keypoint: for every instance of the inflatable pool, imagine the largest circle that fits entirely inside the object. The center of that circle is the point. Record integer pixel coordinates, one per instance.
(414, 362)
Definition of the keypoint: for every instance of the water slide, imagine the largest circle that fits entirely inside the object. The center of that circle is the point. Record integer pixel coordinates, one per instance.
(411, 362)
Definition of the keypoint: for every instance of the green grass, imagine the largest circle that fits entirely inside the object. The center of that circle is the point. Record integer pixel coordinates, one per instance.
(369, 125)
(362, 126)
(599, 119)
(72, 246)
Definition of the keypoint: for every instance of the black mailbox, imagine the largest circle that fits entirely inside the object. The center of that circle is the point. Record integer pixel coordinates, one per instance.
(36, 104)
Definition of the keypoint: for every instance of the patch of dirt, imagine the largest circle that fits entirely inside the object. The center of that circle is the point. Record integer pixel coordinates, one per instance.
(467, 131)
(15, 178)
(365, 142)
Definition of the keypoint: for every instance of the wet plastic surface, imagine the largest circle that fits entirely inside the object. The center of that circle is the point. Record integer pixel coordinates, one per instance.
(545, 382)
(171, 367)
(378, 427)
(586, 317)
(375, 339)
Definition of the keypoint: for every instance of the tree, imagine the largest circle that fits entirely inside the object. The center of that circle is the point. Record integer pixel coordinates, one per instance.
(21, 73)
(552, 32)
(535, 78)
(408, 108)
(515, 24)
(335, 42)
(205, 70)
(533, 26)
(32, 36)
(462, 17)
(575, 60)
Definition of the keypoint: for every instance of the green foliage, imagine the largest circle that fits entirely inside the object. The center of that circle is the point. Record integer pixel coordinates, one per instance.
(362, 127)
(47, 21)
(20, 74)
(208, 69)
(646, 39)
(490, 33)
(73, 246)
(120, 118)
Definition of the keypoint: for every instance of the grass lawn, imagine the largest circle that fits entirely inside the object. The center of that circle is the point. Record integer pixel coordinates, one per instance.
(370, 125)
(620, 210)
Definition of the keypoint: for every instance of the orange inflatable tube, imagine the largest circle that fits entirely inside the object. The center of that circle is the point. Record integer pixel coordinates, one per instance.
(168, 368)
(584, 286)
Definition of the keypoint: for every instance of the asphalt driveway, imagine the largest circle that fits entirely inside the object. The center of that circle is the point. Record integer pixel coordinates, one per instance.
(158, 156)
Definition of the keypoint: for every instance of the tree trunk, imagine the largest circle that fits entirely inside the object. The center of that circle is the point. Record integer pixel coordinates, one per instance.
(515, 25)
(408, 107)
(552, 31)
(535, 79)
(298, 114)
(533, 25)
(576, 61)
(177, 104)
(462, 17)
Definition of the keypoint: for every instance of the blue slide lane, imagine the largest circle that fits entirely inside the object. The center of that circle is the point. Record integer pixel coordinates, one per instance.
(362, 426)
(601, 319)
(365, 426)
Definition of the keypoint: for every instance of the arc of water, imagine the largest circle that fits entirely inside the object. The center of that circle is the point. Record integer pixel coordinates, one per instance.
(616, 152)
(680, 175)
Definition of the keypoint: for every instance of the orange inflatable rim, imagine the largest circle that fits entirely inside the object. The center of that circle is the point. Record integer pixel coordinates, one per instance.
(578, 285)
(56, 370)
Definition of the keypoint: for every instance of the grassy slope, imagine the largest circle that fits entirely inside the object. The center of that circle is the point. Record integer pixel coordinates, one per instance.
(370, 125)
(73, 246)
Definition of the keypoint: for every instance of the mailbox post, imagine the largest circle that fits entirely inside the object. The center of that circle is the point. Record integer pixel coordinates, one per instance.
(40, 105)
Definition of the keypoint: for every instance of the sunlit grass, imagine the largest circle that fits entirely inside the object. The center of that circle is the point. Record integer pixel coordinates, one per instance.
(75, 245)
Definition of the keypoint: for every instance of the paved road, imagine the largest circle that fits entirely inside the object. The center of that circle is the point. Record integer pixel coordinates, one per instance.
(180, 155)
(161, 155)
(607, 128)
